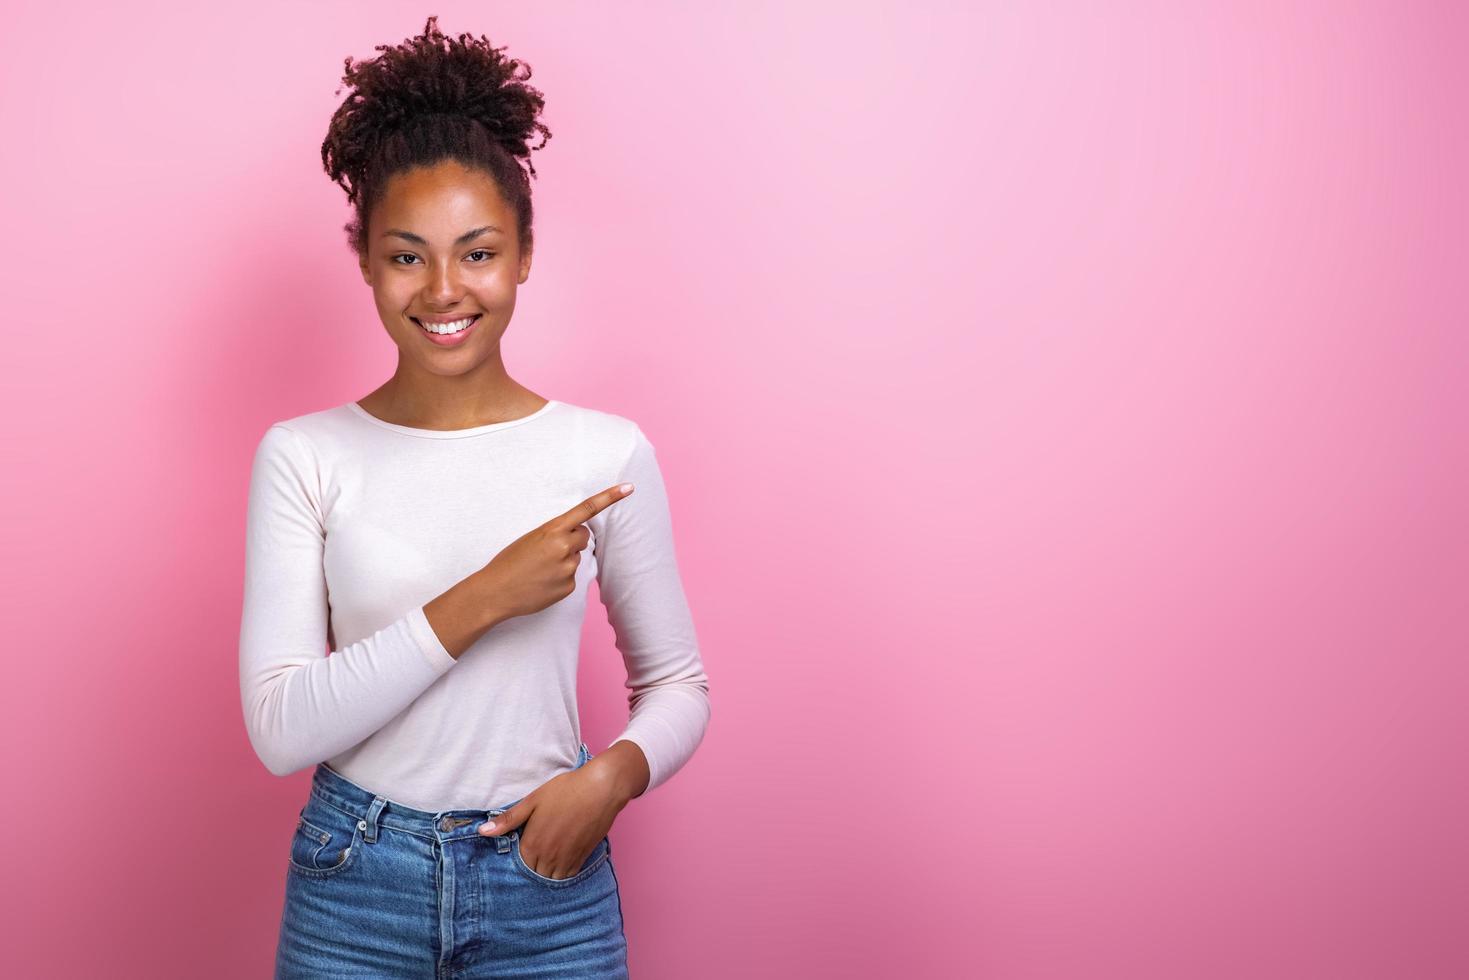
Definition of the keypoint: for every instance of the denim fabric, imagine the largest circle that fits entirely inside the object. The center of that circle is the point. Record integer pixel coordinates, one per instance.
(375, 889)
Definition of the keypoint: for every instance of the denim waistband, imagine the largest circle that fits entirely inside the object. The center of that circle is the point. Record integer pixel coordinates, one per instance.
(375, 810)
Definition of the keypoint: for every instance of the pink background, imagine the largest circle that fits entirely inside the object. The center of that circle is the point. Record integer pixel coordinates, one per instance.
(1058, 406)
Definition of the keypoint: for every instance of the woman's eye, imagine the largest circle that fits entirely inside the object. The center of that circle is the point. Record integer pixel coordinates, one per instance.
(409, 255)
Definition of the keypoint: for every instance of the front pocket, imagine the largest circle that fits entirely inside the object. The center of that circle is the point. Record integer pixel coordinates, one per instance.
(326, 841)
(589, 866)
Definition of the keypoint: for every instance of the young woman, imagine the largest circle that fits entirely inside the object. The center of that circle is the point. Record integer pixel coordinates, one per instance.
(438, 537)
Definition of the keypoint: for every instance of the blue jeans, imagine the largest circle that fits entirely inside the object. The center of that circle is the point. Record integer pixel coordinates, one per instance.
(375, 889)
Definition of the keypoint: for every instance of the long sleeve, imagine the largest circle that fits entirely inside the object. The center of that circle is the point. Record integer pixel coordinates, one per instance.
(638, 579)
(302, 706)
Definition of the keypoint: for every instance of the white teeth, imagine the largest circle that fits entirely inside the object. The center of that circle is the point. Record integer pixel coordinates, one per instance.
(454, 327)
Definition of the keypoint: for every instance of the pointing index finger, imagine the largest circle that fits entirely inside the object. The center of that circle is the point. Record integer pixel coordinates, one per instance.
(595, 504)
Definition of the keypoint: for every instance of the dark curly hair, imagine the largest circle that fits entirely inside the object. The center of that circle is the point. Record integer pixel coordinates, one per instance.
(427, 100)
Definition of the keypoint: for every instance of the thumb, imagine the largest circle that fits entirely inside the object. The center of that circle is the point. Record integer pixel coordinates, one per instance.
(505, 822)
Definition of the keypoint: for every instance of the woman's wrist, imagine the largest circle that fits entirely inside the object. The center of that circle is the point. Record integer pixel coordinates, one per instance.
(491, 614)
(627, 769)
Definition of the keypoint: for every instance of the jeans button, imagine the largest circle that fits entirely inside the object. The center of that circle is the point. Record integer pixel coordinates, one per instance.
(362, 825)
(445, 825)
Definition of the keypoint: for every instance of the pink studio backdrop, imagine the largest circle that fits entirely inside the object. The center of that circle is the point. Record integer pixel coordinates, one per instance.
(1063, 415)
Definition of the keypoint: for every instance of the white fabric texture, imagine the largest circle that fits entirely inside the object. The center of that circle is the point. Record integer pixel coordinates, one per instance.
(354, 523)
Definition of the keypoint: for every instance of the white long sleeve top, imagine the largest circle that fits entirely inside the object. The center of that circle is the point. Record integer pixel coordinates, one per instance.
(354, 523)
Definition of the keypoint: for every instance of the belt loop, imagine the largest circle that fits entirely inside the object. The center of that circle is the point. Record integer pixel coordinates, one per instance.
(502, 841)
(369, 830)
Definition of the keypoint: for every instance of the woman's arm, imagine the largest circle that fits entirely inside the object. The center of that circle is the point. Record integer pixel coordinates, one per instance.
(301, 706)
(638, 578)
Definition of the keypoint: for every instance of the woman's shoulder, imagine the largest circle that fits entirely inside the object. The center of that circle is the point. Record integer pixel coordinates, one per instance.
(312, 429)
(599, 425)
(606, 440)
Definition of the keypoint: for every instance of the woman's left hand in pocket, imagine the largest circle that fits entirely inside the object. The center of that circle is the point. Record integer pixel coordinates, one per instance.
(573, 811)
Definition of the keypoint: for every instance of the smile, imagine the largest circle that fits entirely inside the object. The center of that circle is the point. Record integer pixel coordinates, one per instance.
(454, 326)
(447, 334)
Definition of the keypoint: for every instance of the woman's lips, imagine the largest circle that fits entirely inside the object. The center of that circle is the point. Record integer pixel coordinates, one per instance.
(447, 339)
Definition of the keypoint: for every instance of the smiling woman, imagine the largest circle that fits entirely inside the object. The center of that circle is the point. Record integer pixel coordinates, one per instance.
(429, 151)
(417, 569)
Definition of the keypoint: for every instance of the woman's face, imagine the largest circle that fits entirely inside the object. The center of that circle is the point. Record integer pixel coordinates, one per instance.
(442, 246)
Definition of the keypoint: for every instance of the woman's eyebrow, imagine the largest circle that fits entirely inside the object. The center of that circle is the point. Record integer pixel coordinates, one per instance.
(468, 236)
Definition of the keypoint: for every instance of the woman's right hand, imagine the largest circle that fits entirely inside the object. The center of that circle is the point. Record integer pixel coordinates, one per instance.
(539, 567)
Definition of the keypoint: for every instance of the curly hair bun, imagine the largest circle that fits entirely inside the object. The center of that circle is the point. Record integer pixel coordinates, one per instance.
(429, 99)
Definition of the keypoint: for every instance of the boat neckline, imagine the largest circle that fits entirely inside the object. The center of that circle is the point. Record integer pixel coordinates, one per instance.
(473, 430)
